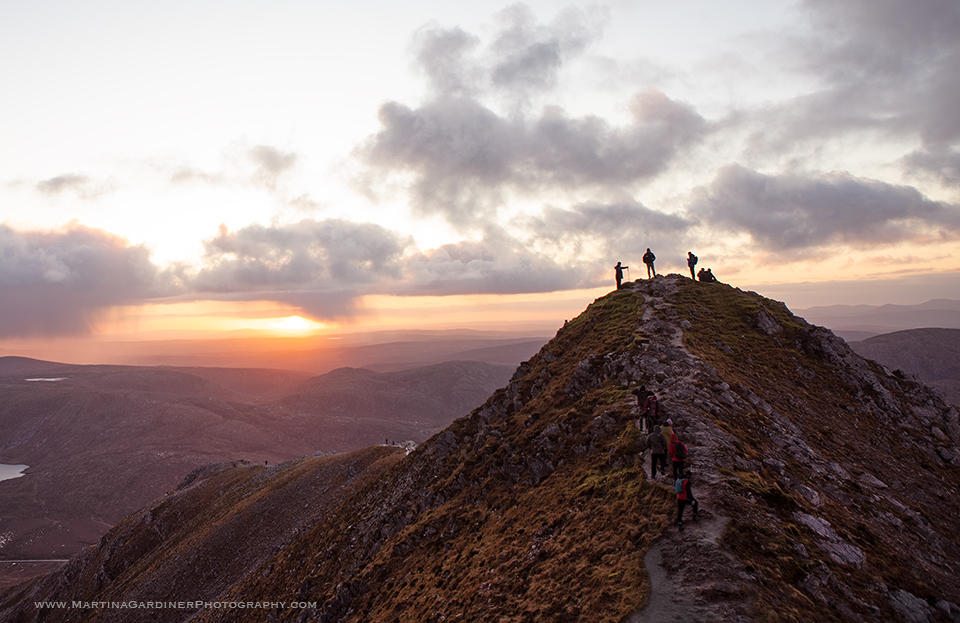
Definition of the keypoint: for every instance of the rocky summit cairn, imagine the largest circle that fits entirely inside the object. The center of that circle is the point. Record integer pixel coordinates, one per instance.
(828, 489)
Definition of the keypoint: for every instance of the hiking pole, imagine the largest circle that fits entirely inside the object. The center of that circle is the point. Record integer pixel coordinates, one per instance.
(628, 273)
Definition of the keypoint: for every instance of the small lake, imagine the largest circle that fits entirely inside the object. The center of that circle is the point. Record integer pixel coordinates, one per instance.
(11, 471)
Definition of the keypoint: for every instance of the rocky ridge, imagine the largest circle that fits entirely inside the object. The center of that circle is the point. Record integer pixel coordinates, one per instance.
(829, 489)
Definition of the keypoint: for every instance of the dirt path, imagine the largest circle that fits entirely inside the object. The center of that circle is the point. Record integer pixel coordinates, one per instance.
(677, 595)
(691, 578)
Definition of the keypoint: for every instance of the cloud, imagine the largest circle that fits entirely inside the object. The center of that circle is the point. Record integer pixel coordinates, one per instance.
(443, 56)
(321, 266)
(557, 249)
(271, 163)
(527, 57)
(55, 283)
(464, 159)
(945, 164)
(60, 183)
(789, 212)
(885, 66)
(522, 59)
(81, 185)
(496, 264)
(259, 165)
(462, 156)
(184, 174)
(605, 230)
(325, 266)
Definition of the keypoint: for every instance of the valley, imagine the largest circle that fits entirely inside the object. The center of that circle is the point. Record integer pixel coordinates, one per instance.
(105, 440)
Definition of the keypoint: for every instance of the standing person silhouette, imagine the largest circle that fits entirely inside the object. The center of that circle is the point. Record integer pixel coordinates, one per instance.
(648, 259)
(692, 263)
(619, 271)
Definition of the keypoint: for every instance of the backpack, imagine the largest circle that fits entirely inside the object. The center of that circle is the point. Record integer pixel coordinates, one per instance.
(680, 451)
(678, 486)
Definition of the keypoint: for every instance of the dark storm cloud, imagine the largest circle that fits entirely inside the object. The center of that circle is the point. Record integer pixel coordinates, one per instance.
(319, 265)
(884, 65)
(789, 212)
(55, 283)
(463, 156)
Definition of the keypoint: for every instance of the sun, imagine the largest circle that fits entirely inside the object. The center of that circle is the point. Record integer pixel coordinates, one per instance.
(293, 323)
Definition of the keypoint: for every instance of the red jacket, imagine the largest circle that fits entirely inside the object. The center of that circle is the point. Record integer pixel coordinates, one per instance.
(652, 408)
(672, 448)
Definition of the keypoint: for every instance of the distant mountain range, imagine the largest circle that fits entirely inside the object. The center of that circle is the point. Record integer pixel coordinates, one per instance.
(102, 441)
(382, 351)
(859, 322)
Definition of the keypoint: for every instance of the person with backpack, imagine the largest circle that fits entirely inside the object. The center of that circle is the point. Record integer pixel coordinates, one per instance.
(684, 489)
(648, 259)
(658, 452)
(678, 455)
(692, 263)
(651, 410)
(642, 395)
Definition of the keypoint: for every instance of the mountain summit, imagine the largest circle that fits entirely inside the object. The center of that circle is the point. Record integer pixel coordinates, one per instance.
(829, 491)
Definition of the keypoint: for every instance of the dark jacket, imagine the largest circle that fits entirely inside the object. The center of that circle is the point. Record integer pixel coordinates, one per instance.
(658, 445)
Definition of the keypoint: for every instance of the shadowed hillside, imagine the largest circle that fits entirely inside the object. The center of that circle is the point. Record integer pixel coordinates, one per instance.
(102, 441)
(830, 492)
(932, 354)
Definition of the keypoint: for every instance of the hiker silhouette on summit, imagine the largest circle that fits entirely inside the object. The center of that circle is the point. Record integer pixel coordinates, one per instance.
(684, 489)
(648, 259)
(692, 263)
(619, 272)
(706, 276)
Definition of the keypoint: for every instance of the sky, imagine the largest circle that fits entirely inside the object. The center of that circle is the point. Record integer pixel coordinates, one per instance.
(181, 168)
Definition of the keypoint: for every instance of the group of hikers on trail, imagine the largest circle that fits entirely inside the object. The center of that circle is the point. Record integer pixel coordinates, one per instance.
(649, 258)
(663, 442)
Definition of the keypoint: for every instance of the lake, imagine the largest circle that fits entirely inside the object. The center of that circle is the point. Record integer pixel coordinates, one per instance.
(11, 471)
